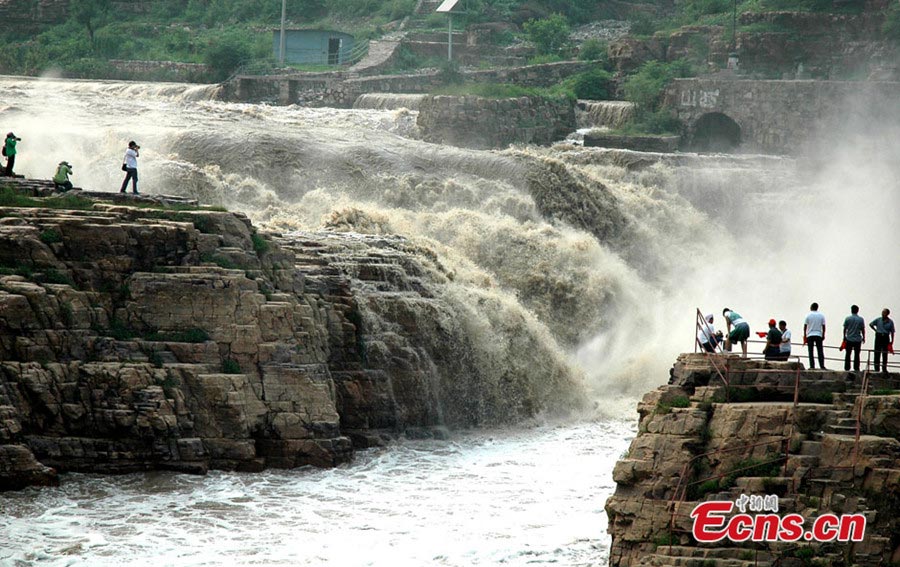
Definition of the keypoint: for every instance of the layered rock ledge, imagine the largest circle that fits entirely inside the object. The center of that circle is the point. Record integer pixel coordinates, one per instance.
(180, 338)
(835, 449)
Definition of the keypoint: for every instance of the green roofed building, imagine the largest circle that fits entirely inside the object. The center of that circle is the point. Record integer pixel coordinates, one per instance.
(314, 47)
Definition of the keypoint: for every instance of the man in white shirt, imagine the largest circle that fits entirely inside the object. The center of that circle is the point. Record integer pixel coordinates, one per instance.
(814, 334)
(129, 165)
(785, 340)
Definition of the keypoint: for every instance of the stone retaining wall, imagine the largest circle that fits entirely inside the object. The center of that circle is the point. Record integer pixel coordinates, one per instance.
(168, 69)
(341, 91)
(483, 123)
(785, 116)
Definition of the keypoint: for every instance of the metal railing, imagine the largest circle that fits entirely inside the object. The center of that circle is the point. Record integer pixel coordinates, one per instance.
(722, 368)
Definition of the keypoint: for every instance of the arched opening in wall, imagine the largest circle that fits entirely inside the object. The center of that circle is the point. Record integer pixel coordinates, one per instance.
(715, 132)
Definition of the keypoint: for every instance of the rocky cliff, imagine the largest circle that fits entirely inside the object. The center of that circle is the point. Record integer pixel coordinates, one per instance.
(836, 449)
(161, 337)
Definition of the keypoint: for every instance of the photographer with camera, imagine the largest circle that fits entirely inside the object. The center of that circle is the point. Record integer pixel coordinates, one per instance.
(9, 150)
(129, 165)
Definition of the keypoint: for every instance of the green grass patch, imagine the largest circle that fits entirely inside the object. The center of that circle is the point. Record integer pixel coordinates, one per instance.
(231, 366)
(665, 407)
(502, 90)
(260, 244)
(219, 260)
(155, 359)
(9, 197)
(55, 277)
(119, 331)
(50, 236)
(884, 392)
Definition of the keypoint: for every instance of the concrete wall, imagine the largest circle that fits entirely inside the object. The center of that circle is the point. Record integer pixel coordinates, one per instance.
(483, 123)
(337, 90)
(162, 69)
(785, 116)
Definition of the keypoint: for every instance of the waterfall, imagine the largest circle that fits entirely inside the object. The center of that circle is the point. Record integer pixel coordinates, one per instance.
(388, 101)
(603, 113)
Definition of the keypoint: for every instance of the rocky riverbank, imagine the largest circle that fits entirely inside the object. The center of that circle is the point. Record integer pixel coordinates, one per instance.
(169, 336)
(836, 449)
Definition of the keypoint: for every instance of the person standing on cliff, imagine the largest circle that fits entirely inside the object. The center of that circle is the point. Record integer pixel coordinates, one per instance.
(9, 150)
(785, 349)
(738, 330)
(814, 334)
(884, 338)
(129, 165)
(854, 337)
(773, 342)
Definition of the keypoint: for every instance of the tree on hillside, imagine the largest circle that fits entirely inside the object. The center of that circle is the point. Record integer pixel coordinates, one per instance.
(549, 35)
(87, 12)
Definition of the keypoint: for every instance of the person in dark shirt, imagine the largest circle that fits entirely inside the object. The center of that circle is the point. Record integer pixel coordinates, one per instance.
(854, 337)
(773, 342)
(884, 338)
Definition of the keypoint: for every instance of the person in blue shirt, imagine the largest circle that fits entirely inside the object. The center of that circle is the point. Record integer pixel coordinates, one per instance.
(854, 337)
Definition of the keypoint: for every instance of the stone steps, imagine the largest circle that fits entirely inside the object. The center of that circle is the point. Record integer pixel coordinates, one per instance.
(684, 556)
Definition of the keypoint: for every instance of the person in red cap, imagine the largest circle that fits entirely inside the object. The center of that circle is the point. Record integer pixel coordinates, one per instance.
(773, 342)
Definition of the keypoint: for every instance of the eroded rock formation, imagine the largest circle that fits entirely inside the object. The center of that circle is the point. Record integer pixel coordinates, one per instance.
(699, 441)
(138, 338)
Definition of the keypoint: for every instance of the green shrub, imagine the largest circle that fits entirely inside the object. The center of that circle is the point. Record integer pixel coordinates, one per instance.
(592, 50)
(769, 467)
(592, 85)
(549, 35)
(260, 244)
(119, 331)
(155, 359)
(544, 59)
(230, 366)
(643, 24)
(645, 87)
(66, 313)
(50, 236)
(663, 408)
(891, 26)
(219, 260)
(56, 277)
(226, 53)
(186, 336)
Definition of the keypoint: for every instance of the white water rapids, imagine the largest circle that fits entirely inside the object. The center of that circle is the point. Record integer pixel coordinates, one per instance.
(604, 253)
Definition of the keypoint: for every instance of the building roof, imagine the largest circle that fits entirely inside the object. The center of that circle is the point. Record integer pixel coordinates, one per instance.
(447, 6)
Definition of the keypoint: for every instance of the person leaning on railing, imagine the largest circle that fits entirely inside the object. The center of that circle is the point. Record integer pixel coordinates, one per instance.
(706, 335)
(884, 338)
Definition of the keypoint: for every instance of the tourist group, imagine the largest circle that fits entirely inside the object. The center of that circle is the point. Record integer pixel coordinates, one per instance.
(778, 337)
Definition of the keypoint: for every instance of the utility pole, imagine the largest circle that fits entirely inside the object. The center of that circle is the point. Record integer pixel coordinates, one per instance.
(734, 25)
(281, 35)
(450, 37)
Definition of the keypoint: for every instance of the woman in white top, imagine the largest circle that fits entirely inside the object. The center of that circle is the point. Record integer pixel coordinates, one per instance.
(129, 164)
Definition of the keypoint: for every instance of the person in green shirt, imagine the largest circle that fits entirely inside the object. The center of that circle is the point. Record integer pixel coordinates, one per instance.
(61, 179)
(738, 330)
(9, 150)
